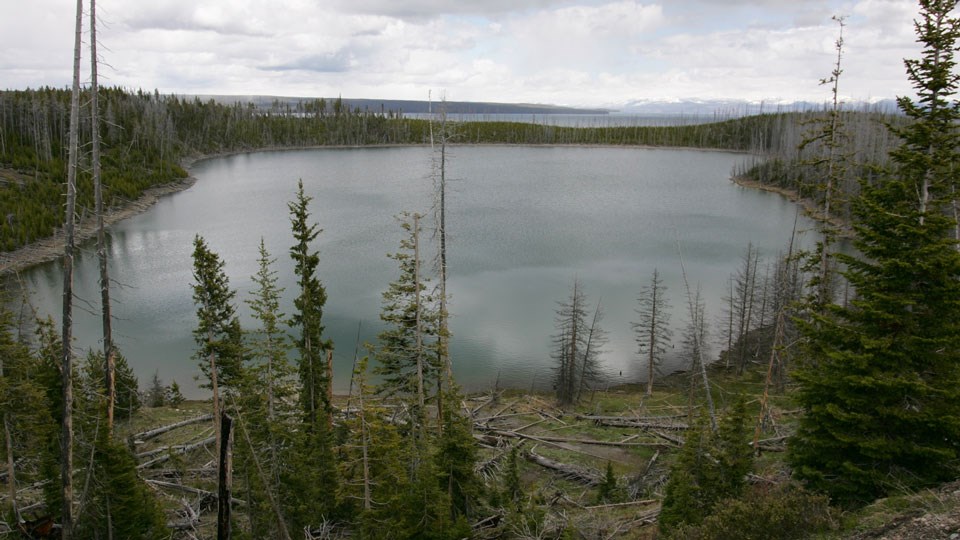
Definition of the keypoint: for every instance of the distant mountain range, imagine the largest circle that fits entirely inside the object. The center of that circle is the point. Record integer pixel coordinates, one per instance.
(730, 107)
(412, 106)
(725, 108)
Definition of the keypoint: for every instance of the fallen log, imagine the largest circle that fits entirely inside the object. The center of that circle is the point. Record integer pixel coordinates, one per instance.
(618, 505)
(185, 449)
(572, 440)
(582, 475)
(620, 421)
(139, 438)
(208, 495)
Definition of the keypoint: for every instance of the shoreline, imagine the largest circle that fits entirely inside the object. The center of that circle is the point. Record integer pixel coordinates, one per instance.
(51, 248)
(810, 208)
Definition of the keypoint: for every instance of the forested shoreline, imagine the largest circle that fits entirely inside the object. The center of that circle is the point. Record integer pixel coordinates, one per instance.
(150, 139)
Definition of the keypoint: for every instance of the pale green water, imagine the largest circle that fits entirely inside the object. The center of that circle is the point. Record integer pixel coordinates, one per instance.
(522, 223)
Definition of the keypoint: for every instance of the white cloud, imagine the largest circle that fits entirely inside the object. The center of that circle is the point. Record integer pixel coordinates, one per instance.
(580, 52)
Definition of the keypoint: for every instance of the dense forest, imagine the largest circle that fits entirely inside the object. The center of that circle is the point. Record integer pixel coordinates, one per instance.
(839, 384)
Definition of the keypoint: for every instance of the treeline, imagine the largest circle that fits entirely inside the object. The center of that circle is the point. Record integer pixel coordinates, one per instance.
(794, 158)
(147, 136)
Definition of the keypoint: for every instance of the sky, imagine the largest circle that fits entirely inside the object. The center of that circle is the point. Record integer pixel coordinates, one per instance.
(595, 53)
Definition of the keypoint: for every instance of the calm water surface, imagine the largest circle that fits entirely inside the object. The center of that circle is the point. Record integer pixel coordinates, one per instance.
(523, 223)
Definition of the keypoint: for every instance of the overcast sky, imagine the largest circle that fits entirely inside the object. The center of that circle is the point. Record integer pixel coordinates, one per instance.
(576, 52)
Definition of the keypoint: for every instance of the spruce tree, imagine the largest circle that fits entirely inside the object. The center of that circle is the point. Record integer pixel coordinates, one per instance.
(218, 335)
(308, 315)
(881, 386)
(407, 349)
(311, 484)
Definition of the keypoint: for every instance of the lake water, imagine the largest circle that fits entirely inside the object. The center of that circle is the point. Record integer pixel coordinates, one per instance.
(523, 223)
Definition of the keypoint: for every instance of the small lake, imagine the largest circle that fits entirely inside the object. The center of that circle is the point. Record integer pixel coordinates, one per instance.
(523, 223)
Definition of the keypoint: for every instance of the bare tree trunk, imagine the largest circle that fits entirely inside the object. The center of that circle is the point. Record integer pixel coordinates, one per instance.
(215, 387)
(419, 327)
(66, 437)
(225, 477)
(367, 497)
(108, 351)
(11, 471)
(694, 316)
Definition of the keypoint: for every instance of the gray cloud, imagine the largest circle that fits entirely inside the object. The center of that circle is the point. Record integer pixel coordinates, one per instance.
(426, 9)
(338, 62)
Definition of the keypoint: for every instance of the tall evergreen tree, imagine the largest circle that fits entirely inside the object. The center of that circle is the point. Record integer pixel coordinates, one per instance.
(311, 483)
(407, 349)
(308, 316)
(881, 388)
(218, 335)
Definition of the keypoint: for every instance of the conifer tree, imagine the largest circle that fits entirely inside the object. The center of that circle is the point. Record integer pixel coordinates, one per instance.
(881, 386)
(407, 349)
(218, 335)
(308, 316)
(712, 466)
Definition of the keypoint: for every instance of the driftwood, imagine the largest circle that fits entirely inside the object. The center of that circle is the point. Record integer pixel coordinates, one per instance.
(582, 475)
(147, 435)
(181, 450)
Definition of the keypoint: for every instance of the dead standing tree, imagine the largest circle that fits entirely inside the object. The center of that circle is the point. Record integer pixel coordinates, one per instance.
(66, 437)
(109, 357)
(652, 328)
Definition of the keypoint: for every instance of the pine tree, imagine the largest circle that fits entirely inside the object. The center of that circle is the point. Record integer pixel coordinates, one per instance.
(308, 316)
(652, 328)
(218, 335)
(712, 466)
(156, 394)
(407, 349)
(126, 386)
(881, 386)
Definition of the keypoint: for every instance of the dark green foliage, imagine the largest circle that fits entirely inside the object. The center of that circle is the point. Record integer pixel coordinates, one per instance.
(310, 484)
(173, 396)
(609, 491)
(512, 488)
(128, 387)
(881, 387)
(308, 315)
(408, 351)
(218, 334)
(120, 499)
(711, 466)
(156, 394)
(783, 512)
(456, 457)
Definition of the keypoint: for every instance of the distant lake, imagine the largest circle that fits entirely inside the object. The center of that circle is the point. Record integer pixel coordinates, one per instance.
(523, 223)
